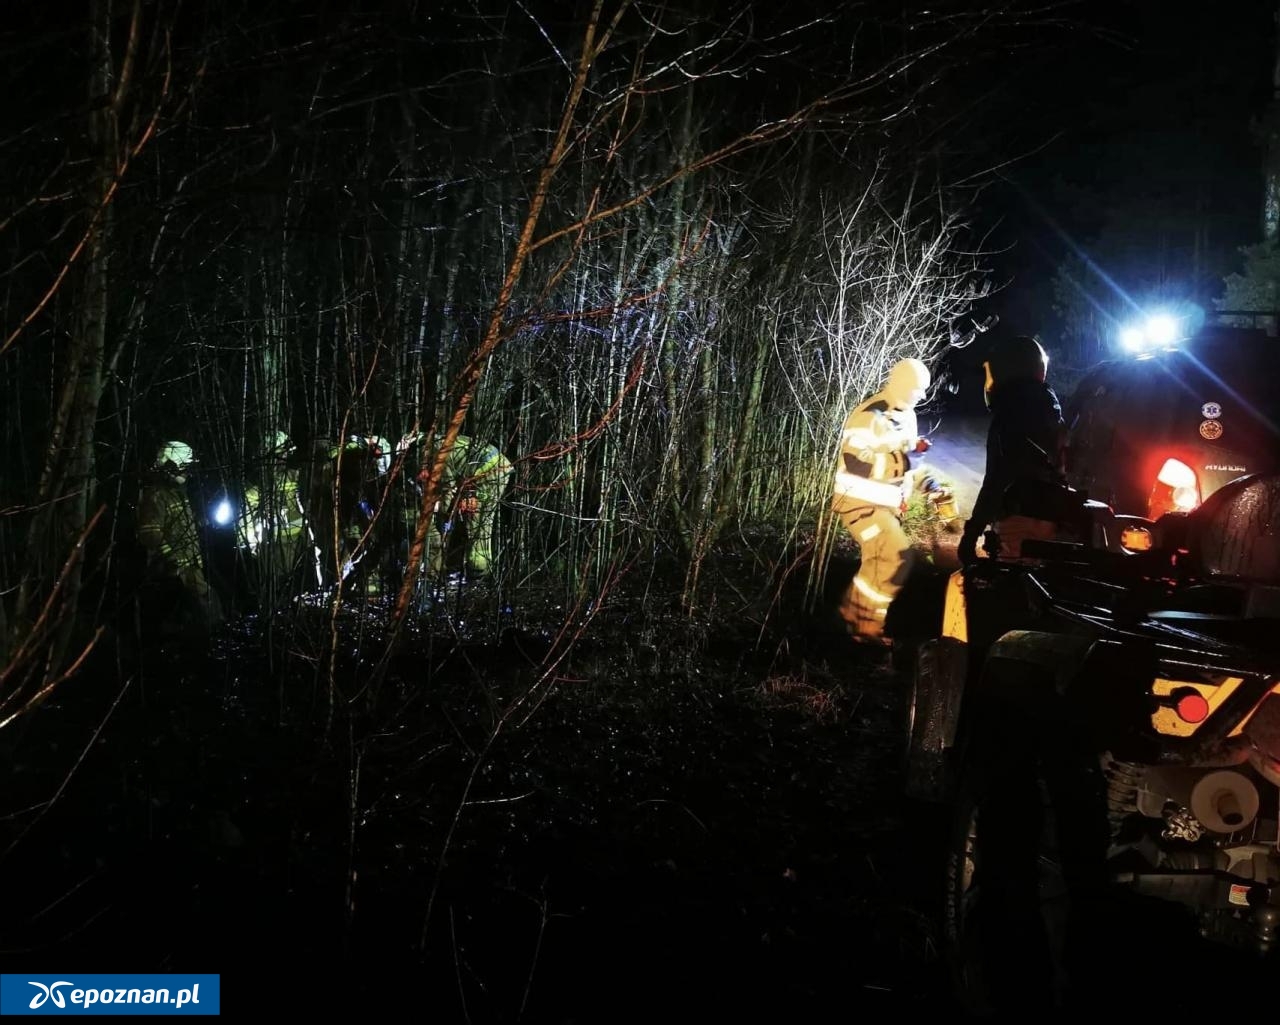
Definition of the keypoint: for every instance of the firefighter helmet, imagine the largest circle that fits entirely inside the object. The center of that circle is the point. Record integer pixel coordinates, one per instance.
(1021, 357)
(908, 384)
(278, 444)
(174, 457)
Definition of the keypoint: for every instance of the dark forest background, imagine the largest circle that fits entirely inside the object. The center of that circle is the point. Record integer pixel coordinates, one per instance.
(229, 219)
(653, 253)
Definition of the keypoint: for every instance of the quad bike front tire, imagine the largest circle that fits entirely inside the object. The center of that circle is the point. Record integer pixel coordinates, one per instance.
(1024, 871)
(931, 692)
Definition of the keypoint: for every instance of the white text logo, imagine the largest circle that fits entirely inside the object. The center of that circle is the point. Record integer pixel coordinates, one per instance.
(129, 995)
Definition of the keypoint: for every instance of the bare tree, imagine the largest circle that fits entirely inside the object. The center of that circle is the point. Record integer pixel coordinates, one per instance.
(117, 129)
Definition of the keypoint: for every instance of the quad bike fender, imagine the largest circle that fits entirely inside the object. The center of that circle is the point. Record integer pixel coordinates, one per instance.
(1100, 685)
(1077, 687)
(1031, 670)
(1023, 681)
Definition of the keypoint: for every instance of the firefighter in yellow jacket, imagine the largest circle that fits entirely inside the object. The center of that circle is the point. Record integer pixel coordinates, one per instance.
(170, 540)
(273, 526)
(872, 485)
(340, 491)
(476, 475)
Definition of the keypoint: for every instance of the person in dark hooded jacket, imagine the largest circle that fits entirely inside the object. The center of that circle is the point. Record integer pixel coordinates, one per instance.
(1024, 442)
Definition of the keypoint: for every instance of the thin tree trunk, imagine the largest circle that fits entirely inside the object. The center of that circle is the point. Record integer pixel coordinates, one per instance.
(669, 338)
(66, 489)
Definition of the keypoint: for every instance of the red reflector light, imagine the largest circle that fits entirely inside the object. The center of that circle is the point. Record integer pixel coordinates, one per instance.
(1192, 707)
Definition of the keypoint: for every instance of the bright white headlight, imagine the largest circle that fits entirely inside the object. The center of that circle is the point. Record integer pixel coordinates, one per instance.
(1162, 329)
(1134, 339)
(222, 513)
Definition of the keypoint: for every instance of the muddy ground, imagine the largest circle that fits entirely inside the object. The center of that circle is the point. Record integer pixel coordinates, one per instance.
(680, 814)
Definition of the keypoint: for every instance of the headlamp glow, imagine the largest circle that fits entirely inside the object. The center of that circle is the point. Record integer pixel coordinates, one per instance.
(1158, 331)
(1162, 330)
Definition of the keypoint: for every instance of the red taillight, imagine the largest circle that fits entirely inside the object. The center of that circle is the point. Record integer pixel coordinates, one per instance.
(1176, 474)
(1192, 707)
(1177, 489)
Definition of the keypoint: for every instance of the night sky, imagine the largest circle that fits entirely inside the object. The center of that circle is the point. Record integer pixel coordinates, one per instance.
(1122, 127)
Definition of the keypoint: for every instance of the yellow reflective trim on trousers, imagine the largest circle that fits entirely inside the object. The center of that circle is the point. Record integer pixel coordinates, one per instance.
(863, 489)
(869, 592)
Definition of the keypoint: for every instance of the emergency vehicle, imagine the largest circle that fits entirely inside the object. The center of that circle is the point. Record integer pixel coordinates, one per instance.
(1163, 427)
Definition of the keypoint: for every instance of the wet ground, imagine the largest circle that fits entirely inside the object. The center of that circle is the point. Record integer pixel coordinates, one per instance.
(677, 815)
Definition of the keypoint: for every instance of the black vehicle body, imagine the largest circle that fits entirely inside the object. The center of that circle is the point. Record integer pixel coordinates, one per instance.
(1125, 702)
(1213, 405)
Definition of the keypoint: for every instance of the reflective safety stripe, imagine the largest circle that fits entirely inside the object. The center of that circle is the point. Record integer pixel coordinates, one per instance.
(850, 485)
(858, 438)
(870, 532)
(869, 592)
(878, 466)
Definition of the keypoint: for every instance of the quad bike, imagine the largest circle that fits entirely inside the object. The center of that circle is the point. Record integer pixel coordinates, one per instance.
(1100, 721)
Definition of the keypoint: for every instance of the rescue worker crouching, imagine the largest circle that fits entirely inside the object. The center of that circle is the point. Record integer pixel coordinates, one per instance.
(272, 527)
(872, 484)
(170, 540)
(372, 564)
(476, 475)
(1024, 478)
(343, 492)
